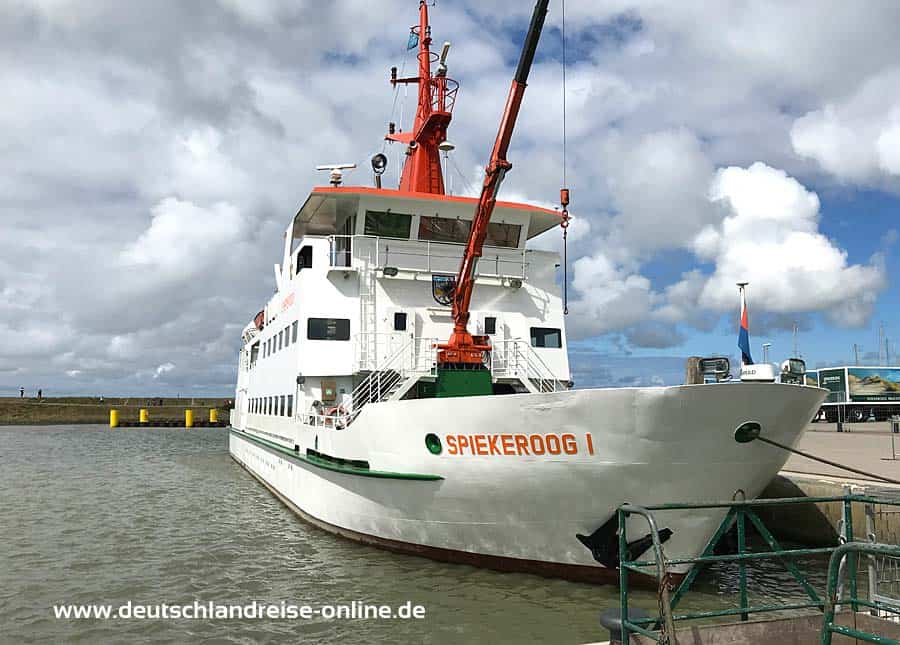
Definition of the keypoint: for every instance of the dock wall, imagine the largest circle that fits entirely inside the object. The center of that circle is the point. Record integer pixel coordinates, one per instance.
(817, 524)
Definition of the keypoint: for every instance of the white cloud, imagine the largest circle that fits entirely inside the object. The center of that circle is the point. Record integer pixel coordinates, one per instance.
(856, 139)
(769, 237)
(609, 298)
(766, 233)
(184, 238)
(657, 184)
(165, 368)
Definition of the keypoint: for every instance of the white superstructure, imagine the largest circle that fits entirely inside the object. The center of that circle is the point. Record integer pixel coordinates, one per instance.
(354, 306)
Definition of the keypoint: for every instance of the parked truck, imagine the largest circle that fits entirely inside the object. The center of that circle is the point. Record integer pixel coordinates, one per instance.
(858, 393)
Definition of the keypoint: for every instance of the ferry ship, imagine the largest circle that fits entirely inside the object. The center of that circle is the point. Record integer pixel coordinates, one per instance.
(354, 408)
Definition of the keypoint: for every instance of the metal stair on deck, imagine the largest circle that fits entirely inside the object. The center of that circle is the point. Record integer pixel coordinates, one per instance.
(516, 359)
(396, 376)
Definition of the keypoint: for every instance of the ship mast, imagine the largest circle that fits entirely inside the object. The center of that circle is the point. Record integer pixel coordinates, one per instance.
(437, 95)
(462, 349)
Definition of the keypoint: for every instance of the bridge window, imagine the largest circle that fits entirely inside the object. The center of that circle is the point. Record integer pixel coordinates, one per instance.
(399, 321)
(505, 235)
(546, 337)
(304, 258)
(328, 329)
(290, 405)
(388, 224)
(287, 335)
(444, 229)
(490, 325)
(294, 332)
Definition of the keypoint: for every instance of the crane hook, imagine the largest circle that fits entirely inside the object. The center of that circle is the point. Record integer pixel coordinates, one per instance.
(564, 223)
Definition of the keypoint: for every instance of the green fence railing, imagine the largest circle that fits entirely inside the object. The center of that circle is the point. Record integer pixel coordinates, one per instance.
(844, 559)
(829, 627)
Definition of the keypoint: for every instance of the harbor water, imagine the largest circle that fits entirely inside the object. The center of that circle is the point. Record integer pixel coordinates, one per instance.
(90, 515)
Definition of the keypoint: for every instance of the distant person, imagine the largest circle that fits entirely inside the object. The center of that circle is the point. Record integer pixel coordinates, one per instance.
(40, 394)
(21, 392)
(101, 398)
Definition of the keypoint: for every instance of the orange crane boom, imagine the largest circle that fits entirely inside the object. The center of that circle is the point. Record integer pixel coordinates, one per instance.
(463, 349)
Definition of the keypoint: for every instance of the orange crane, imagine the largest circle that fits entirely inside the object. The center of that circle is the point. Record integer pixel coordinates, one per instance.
(463, 350)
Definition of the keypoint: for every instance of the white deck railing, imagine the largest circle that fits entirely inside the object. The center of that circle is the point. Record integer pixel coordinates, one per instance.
(517, 359)
(410, 358)
(423, 256)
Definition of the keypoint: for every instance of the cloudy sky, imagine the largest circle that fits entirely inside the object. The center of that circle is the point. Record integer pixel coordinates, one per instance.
(154, 151)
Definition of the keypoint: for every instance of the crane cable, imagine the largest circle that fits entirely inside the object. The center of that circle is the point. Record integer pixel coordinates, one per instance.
(564, 192)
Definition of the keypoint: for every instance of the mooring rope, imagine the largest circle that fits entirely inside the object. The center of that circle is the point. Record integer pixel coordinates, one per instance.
(828, 461)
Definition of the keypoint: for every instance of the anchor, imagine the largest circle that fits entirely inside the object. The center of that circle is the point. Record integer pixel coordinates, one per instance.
(604, 543)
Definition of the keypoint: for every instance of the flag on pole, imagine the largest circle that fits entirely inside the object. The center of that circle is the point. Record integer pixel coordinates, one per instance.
(413, 41)
(744, 333)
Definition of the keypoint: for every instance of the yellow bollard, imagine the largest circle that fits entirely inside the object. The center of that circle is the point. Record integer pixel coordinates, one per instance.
(144, 416)
(113, 418)
(213, 415)
(188, 418)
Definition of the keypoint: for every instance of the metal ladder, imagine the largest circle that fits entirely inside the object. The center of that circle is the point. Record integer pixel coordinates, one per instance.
(368, 343)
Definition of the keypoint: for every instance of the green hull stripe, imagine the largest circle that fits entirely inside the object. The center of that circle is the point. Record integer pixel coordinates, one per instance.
(327, 465)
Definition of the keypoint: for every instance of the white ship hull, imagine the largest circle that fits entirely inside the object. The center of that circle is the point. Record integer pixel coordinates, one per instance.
(505, 507)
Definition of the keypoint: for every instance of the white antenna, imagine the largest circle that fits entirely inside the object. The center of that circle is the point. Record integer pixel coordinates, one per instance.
(337, 174)
(442, 61)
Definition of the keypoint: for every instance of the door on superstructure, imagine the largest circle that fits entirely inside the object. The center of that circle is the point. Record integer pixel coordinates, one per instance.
(400, 329)
(490, 324)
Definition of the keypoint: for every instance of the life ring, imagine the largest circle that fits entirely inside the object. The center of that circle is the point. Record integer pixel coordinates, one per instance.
(337, 413)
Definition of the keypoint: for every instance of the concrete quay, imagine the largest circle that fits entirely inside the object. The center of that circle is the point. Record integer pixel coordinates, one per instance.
(865, 446)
